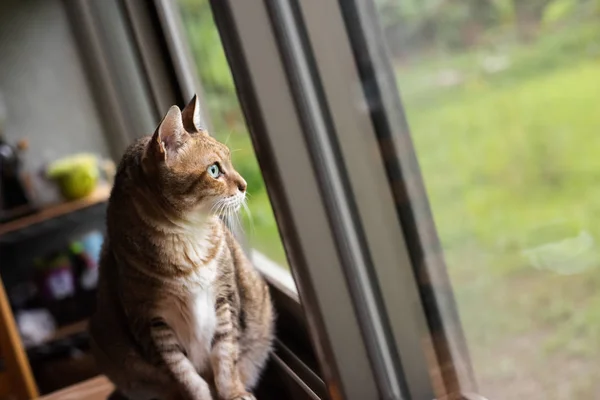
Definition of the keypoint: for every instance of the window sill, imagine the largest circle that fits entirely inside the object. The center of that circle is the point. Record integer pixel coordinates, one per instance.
(275, 274)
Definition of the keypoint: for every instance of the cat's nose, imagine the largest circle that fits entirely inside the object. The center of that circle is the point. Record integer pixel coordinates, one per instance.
(242, 185)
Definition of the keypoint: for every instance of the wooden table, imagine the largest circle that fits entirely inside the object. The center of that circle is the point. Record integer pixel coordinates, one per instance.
(98, 388)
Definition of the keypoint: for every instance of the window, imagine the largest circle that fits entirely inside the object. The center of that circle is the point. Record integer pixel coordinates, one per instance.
(300, 93)
(500, 98)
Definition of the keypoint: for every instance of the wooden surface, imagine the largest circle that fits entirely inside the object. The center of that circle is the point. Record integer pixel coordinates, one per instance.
(100, 194)
(98, 388)
(68, 330)
(18, 379)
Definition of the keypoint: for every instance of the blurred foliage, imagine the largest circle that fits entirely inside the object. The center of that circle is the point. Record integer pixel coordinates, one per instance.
(211, 63)
(559, 10)
(419, 25)
(505, 160)
(506, 132)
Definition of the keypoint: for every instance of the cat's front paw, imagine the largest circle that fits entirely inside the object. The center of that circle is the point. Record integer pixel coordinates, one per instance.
(244, 396)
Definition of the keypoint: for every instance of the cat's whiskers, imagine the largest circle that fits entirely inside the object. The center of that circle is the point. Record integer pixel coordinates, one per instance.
(231, 212)
(215, 208)
(221, 207)
(227, 139)
(249, 214)
(233, 205)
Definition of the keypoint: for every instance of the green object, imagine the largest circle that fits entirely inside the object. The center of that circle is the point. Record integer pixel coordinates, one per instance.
(76, 248)
(76, 176)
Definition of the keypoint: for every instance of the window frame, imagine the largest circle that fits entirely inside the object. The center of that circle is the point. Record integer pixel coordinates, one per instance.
(414, 212)
(297, 74)
(115, 70)
(378, 312)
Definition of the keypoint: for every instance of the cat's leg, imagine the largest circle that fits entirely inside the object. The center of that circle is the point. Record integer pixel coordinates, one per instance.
(225, 356)
(257, 338)
(190, 384)
(253, 357)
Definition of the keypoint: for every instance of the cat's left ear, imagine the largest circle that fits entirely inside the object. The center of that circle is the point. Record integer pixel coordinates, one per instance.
(169, 136)
(191, 116)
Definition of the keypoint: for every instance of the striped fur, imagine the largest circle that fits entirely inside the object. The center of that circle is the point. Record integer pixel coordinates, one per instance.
(181, 314)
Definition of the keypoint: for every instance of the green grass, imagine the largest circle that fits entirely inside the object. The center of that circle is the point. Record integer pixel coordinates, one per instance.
(511, 162)
(552, 51)
(520, 157)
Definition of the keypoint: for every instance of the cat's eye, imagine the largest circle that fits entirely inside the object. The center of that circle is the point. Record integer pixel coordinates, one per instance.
(214, 170)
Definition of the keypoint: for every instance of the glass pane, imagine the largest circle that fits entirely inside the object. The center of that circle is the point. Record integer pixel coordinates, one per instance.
(226, 118)
(502, 101)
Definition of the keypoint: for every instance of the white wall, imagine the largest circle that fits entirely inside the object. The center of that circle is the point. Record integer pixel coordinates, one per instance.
(49, 100)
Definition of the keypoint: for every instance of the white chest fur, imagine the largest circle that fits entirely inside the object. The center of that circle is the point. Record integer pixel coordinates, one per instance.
(192, 314)
(193, 318)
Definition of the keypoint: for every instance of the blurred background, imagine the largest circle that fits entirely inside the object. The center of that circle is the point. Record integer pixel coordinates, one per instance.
(56, 166)
(502, 101)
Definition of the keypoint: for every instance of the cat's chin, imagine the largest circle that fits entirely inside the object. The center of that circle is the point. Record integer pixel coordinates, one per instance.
(198, 218)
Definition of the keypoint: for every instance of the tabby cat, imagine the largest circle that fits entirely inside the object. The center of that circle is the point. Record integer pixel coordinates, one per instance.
(181, 313)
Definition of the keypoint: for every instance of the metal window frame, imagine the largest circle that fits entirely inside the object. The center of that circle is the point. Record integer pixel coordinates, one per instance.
(114, 69)
(152, 45)
(310, 122)
(260, 75)
(98, 70)
(130, 63)
(372, 57)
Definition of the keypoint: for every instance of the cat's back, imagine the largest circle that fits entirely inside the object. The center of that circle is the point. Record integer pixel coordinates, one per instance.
(108, 323)
(107, 326)
(126, 228)
(128, 172)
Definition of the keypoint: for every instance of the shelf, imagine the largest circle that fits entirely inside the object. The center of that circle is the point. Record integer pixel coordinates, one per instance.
(68, 330)
(100, 195)
(56, 216)
(98, 388)
(61, 333)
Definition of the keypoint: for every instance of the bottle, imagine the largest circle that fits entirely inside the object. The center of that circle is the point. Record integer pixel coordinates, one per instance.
(12, 191)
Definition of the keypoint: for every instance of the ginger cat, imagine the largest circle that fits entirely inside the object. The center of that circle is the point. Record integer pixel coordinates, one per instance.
(181, 313)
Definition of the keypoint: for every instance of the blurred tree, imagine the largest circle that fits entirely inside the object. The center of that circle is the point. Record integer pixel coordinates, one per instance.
(418, 25)
(505, 10)
(529, 15)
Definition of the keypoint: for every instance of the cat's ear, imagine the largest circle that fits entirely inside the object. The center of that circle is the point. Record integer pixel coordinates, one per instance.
(191, 116)
(169, 136)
